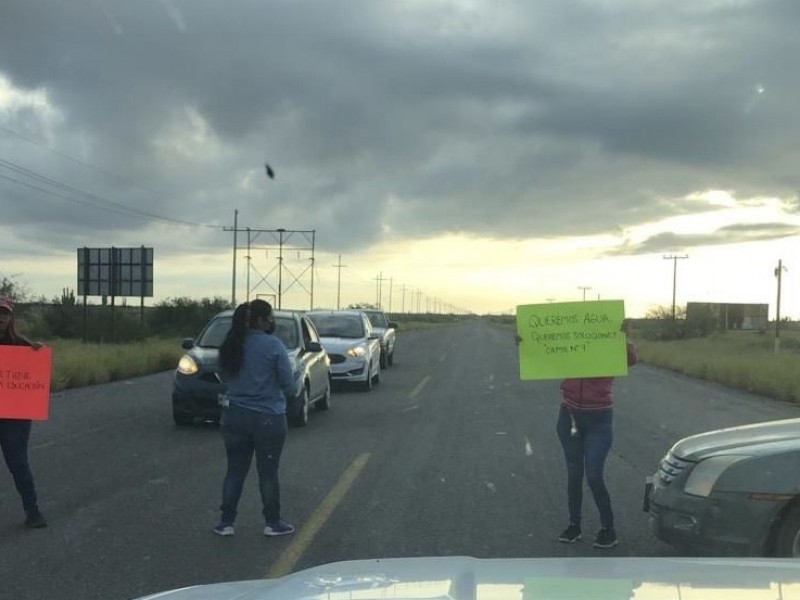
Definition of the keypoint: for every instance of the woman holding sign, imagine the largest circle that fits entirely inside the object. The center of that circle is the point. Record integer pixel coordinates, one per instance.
(14, 433)
(585, 431)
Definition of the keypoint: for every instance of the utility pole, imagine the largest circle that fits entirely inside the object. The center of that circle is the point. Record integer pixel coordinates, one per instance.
(339, 266)
(379, 280)
(584, 288)
(281, 231)
(247, 295)
(313, 242)
(674, 258)
(391, 282)
(403, 303)
(778, 274)
(235, 230)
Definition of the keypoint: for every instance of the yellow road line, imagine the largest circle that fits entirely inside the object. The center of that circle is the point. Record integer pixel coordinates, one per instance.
(292, 554)
(415, 392)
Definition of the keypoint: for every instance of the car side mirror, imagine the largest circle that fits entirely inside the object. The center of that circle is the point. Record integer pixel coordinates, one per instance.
(374, 336)
(392, 325)
(187, 343)
(313, 347)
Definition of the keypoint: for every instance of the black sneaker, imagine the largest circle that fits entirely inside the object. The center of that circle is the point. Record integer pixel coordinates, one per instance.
(570, 535)
(35, 521)
(606, 538)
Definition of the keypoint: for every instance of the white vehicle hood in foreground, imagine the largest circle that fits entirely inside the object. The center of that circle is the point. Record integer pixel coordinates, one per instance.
(602, 578)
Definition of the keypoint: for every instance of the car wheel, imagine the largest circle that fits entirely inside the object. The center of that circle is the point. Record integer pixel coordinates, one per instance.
(182, 419)
(324, 403)
(383, 362)
(300, 416)
(390, 358)
(787, 538)
(366, 385)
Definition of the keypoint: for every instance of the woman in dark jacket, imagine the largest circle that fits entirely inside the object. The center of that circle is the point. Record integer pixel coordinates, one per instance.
(14, 433)
(253, 422)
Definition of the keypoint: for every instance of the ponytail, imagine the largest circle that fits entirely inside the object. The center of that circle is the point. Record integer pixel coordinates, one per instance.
(231, 352)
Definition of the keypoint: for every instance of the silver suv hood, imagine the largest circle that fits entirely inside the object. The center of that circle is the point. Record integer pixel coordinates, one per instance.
(753, 439)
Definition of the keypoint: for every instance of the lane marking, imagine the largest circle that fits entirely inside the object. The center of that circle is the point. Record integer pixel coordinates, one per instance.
(528, 447)
(415, 392)
(302, 540)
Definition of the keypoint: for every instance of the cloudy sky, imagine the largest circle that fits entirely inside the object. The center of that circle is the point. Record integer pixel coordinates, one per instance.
(467, 154)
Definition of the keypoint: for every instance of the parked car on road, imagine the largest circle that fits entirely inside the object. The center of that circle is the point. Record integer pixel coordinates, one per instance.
(198, 383)
(386, 329)
(735, 489)
(352, 345)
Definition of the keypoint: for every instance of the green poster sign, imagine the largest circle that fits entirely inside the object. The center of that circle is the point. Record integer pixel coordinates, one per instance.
(572, 339)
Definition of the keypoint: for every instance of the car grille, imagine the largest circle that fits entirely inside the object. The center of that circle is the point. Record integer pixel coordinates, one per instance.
(336, 358)
(671, 466)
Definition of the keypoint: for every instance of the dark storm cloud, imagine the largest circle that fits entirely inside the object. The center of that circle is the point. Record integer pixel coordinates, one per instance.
(529, 119)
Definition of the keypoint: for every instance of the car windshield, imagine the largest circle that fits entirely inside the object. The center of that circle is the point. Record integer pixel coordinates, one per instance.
(333, 325)
(214, 334)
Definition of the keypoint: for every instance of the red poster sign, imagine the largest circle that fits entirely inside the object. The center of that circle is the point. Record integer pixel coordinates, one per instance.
(25, 382)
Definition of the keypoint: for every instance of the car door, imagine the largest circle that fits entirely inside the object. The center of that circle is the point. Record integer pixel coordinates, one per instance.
(317, 365)
(373, 340)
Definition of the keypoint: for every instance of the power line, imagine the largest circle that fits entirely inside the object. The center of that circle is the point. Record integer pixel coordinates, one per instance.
(78, 161)
(93, 200)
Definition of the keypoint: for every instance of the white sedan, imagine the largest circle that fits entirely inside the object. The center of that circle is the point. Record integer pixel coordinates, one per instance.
(353, 346)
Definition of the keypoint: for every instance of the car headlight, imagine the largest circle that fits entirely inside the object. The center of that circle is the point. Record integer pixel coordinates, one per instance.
(187, 365)
(356, 351)
(705, 474)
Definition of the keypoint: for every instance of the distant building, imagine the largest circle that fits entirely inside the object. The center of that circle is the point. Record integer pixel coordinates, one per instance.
(731, 316)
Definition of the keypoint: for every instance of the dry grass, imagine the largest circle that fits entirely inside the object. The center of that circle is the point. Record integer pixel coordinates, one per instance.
(739, 359)
(76, 364)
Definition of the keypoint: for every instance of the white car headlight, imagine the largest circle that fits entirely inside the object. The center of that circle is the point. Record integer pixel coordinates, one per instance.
(356, 351)
(706, 473)
(187, 365)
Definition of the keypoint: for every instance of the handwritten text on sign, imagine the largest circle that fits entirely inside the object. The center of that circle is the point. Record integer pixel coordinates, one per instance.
(572, 339)
(25, 382)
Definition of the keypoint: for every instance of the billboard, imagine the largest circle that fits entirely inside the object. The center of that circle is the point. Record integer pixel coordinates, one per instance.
(115, 272)
(731, 316)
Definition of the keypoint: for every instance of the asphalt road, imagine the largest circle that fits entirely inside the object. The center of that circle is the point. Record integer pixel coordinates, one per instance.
(450, 455)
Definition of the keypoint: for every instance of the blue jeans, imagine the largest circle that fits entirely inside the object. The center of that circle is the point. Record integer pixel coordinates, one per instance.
(247, 432)
(14, 436)
(586, 454)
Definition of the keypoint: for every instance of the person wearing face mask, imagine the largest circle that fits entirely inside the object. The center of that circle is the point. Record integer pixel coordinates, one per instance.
(14, 433)
(256, 368)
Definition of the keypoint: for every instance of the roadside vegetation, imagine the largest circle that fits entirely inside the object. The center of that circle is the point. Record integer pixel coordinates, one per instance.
(744, 360)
